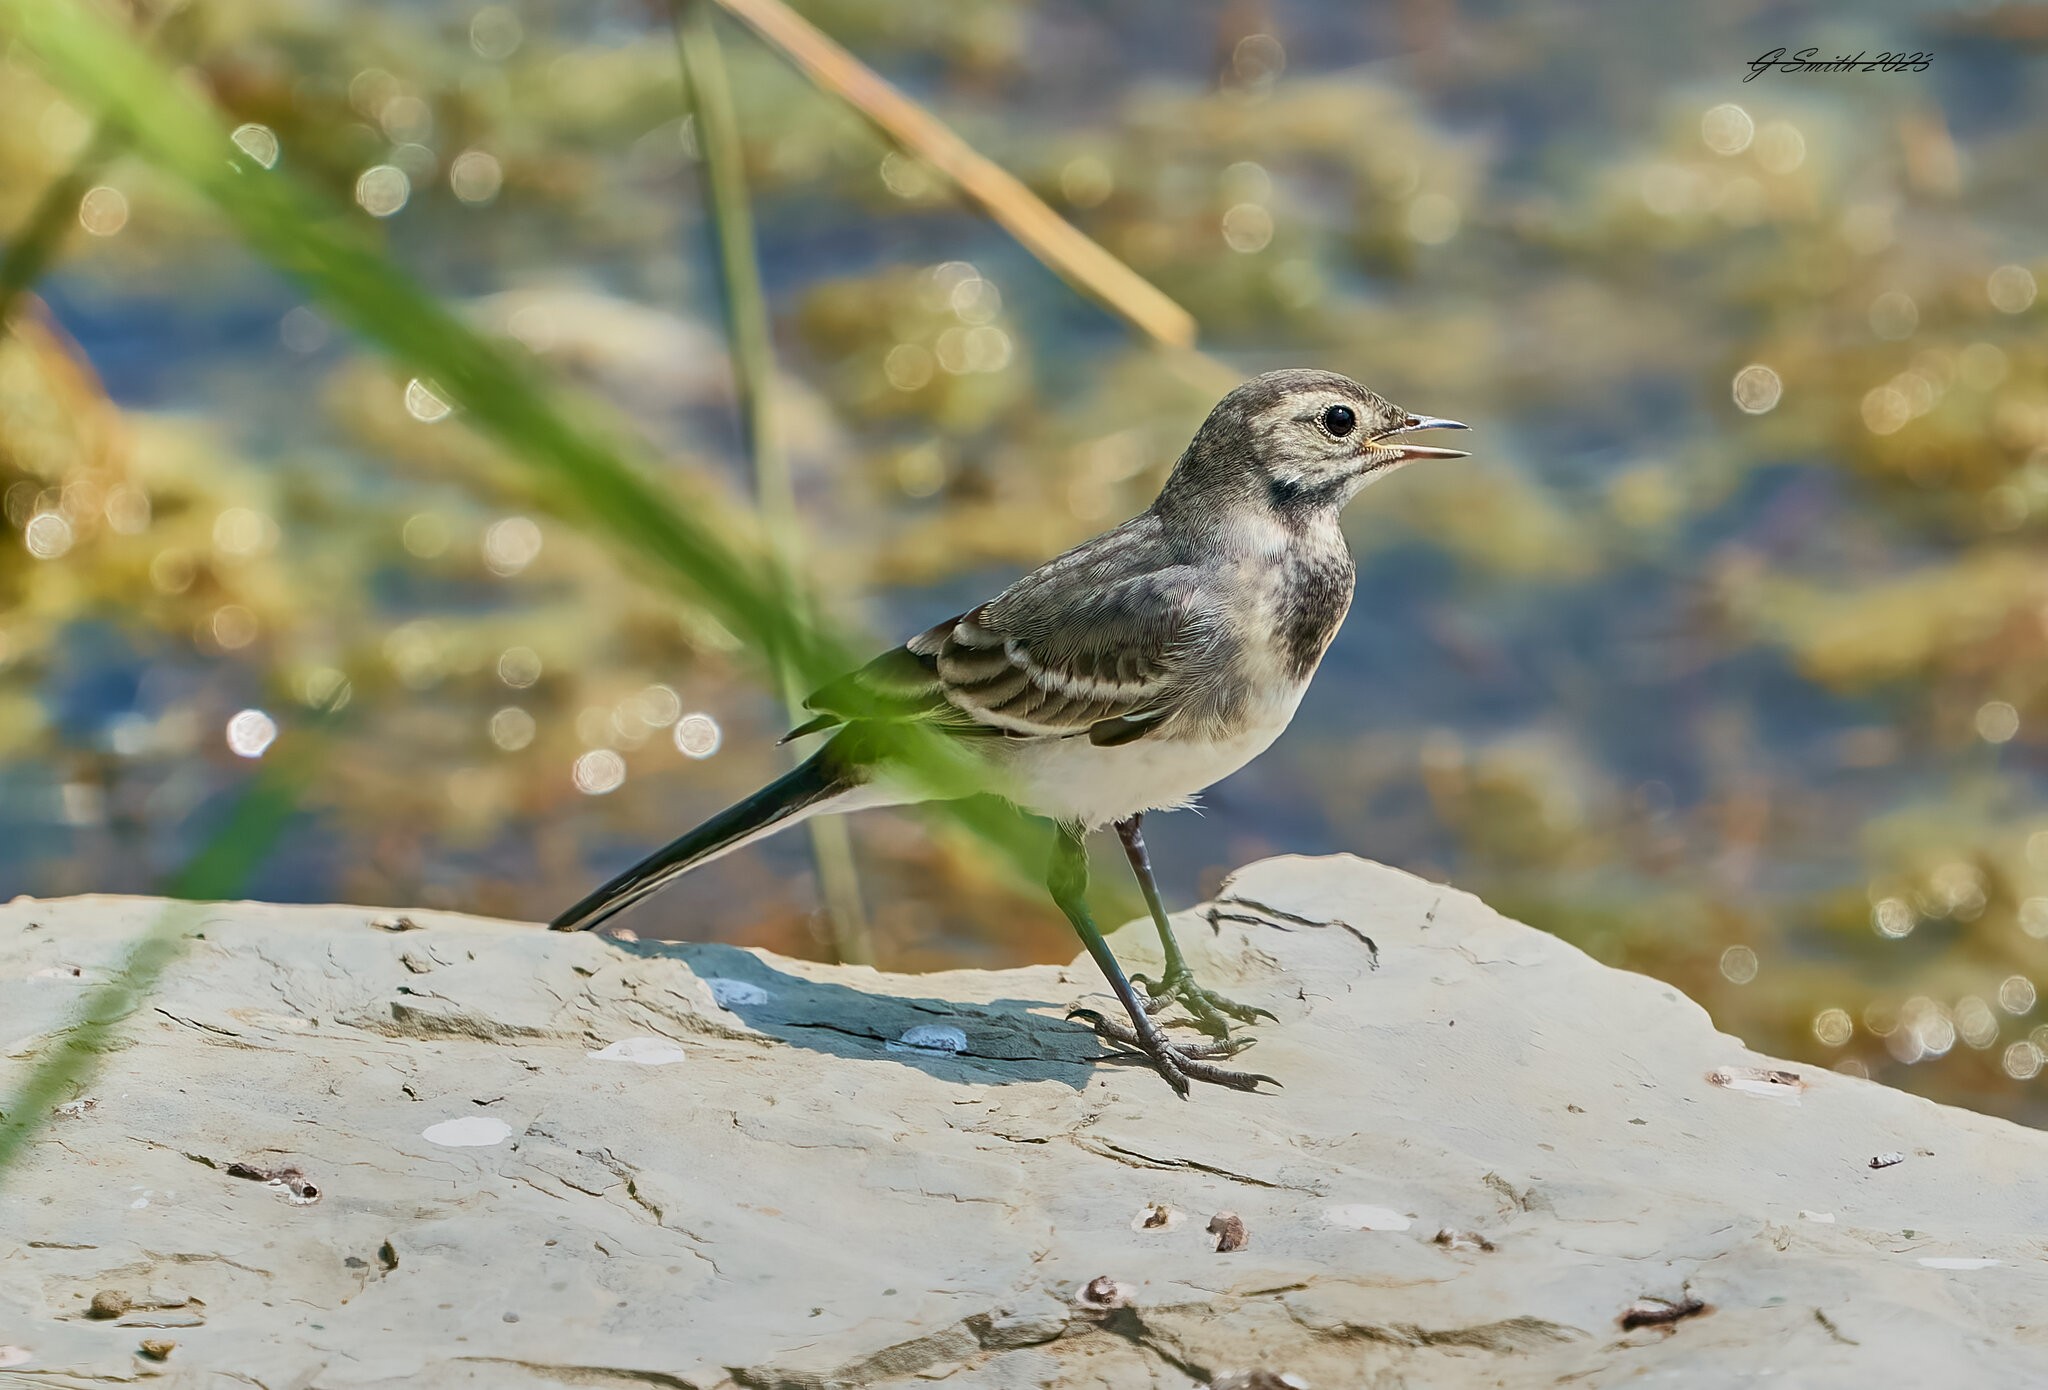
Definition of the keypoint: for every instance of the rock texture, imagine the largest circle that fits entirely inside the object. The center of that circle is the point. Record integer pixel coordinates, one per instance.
(345, 1149)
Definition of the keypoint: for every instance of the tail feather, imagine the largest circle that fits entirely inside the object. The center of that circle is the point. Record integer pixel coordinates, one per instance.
(803, 792)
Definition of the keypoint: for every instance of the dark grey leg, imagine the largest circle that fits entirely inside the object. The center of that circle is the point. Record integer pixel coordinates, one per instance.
(1067, 878)
(1207, 1006)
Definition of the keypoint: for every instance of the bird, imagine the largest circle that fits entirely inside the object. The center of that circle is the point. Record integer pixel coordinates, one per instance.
(1123, 677)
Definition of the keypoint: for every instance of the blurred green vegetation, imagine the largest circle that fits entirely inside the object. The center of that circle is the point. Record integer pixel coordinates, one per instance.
(1723, 658)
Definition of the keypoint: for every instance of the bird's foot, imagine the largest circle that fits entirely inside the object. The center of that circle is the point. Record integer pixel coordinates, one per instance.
(1211, 1011)
(1179, 1065)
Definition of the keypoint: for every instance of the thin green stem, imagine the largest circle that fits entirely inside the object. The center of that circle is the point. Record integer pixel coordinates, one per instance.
(753, 367)
(71, 1061)
(220, 868)
(31, 249)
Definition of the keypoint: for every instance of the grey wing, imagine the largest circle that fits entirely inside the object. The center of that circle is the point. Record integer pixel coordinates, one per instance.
(1066, 654)
(1110, 640)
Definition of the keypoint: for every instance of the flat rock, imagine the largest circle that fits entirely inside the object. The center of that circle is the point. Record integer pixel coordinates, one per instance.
(342, 1148)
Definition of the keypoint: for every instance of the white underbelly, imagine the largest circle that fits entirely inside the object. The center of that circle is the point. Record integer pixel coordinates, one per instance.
(1071, 779)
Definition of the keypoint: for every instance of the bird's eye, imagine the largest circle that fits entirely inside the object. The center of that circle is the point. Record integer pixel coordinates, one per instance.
(1340, 420)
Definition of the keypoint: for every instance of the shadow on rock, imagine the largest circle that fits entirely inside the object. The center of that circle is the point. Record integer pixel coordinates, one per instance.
(997, 1042)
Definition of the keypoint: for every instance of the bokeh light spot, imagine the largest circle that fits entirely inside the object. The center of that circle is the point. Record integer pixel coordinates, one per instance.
(250, 733)
(909, 366)
(425, 534)
(511, 545)
(698, 735)
(599, 771)
(424, 403)
(48, 535)
(382, 190)
(1247, 228)
(103, 211)
(1833, 1027)
(1975, 1023)
(475, 177)
(1086, 182)
(519, 667)
(2011, 288)
(302, 330)
(259, 142)
(1727, 128)
(512, 728)
(1997, 722)
(1738, 965)
(1780, 148)
(1894, 316)
(495, 33)
(1893, 918)
(1757, 389)
(234, 627)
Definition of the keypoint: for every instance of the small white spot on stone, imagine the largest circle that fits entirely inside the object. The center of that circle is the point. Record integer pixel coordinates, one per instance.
(1958, 1262)
(646, 1052)
(931, 1037)
(15, 1356)
(1826, 1218)
(140, 1202)
(1759, 1081)
(1361, 1217)
(1887, 1160)
(730, 993)
(469, 1132)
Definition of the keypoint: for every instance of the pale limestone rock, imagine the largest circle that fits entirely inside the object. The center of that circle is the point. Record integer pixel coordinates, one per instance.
(779, 1191)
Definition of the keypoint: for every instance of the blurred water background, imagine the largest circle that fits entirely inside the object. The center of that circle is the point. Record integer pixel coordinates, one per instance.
(1725, 657)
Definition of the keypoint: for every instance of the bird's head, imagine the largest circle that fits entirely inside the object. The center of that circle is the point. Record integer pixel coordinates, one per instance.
(1308, 440)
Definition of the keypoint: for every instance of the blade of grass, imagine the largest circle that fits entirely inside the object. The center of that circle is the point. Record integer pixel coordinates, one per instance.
(221, 868)
(70, 1063)
(1064, 248)
(584, 470)
(31, 249)
(753, 367)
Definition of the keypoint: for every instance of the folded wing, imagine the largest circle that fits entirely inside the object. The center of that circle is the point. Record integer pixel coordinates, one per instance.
(1059, 654)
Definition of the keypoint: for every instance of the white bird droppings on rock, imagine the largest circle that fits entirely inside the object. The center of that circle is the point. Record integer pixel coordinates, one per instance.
(931, 1037)
(1958, 1262)
(15, 1356)
(1759, 1081)
(1361, 1217)
(735, 993)
(469, 1132)
(646, 1052)
(1826, 1218)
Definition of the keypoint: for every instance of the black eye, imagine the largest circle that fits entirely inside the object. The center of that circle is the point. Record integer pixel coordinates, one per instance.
(1340, 420)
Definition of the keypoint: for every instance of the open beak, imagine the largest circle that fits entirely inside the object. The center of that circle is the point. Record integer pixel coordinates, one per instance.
(1411, 452)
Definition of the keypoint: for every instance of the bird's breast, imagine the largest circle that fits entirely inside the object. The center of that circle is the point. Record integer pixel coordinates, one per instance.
(1306, 598)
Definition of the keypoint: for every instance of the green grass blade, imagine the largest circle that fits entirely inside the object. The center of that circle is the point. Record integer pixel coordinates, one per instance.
(36, 242)
(580, 468)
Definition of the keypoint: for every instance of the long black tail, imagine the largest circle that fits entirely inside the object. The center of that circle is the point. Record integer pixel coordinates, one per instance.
(819, 779)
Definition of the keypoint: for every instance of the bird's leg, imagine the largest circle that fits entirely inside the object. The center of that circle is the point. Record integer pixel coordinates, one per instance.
(1067, 879)
(1207, 1006)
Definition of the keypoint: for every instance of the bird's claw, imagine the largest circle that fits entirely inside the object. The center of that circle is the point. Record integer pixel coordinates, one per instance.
(1179, 1065)
(1210, 1011)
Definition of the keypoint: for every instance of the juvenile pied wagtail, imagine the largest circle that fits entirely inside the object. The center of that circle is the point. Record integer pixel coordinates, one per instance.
(1123, 677)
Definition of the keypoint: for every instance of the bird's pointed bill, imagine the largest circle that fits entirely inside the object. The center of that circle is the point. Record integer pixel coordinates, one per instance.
(1412, 452)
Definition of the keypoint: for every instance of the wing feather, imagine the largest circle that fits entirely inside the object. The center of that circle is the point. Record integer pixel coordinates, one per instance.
(1109, 640)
